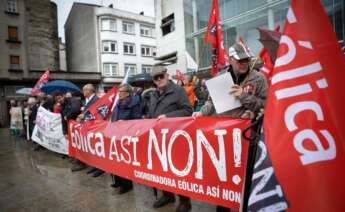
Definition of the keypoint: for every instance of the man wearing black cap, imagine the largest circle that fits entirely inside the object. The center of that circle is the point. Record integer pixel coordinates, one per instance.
(168, 100)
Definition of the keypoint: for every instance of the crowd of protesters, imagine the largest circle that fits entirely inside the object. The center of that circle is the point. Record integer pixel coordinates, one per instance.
(160, 99)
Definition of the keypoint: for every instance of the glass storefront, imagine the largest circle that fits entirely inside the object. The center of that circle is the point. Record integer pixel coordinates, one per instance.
(242, 18)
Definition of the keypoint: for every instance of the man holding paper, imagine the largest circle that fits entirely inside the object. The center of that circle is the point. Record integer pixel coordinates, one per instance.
(248, 88)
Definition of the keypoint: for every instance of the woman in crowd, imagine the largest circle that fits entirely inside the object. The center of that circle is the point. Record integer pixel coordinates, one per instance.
(128, 107)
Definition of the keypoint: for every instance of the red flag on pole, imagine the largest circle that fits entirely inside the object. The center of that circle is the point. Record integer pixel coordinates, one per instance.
(42, 81)
(101, 109)
(267, 68)
(213, 36)
(304, 118)
(246, 48)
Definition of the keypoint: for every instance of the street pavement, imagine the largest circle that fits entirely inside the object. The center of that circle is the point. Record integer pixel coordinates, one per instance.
(42, 181)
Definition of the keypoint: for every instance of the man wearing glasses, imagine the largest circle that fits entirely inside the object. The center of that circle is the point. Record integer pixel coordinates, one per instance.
(168, 100)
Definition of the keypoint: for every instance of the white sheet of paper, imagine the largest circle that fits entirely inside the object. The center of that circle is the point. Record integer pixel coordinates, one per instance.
(219, 88)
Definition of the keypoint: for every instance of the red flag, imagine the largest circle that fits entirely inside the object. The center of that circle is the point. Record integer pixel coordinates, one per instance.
(246, 48)
(101, 109)
(42, 81)
(268, 65)
(304, 118)
(213, 35)
(179, 75)
(343, 46)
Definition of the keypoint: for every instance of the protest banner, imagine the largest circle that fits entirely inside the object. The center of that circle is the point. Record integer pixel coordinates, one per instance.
(48, 131)
(203, 158)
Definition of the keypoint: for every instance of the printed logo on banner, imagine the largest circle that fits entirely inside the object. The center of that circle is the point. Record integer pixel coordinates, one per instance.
(103, 111)
(89, 116)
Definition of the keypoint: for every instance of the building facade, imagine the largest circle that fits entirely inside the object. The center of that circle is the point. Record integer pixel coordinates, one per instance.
(109, 41)
(29, 43)
(239, 18)
(62, 55)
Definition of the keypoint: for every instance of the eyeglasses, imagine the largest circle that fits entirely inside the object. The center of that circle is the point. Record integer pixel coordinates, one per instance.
(158, 77)
(123, 91)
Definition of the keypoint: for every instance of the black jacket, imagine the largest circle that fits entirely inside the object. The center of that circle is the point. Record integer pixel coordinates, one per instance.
(70, 109)
(173, 102)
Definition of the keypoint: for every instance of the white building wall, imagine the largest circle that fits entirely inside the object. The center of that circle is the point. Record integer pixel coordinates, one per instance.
(84, 38)
(122, 38)
(174, 41)
(62, 56)
(120, 58)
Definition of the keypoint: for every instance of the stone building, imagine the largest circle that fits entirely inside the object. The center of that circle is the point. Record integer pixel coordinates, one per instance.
(29, 44)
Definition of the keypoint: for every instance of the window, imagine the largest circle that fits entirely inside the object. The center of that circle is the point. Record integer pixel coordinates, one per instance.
(128, 27)
(132, 68)
(148, 51)
(129, 48)
(14, 62)
(146, 68)
(110, 70)
(108, 24)
(168, 24)
(109, 46)
(146, 31)
(12, 6)
(13, 33)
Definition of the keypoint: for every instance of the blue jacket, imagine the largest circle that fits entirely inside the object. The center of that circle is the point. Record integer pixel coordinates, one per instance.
(127, 109)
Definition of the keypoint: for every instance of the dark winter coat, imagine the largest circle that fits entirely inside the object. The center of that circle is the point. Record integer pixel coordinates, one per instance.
(127, 109)
(173, 102)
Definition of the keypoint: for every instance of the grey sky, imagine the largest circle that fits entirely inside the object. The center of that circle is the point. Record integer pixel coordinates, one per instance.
(136, 6)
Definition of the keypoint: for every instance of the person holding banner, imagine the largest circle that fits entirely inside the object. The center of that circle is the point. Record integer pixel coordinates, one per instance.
(70, 109)
(90, 98)
(250, 88)
(33, 107)
(168, 100)
(128, 107)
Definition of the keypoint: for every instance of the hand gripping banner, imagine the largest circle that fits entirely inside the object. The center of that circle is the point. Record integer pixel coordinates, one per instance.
(203, 158)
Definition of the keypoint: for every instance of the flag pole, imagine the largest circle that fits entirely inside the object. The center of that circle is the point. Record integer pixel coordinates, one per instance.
(255, 130)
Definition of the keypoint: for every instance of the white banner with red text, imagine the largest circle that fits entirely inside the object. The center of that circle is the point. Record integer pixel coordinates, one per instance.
(48, 131)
